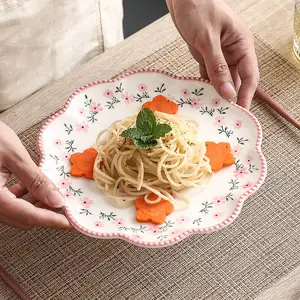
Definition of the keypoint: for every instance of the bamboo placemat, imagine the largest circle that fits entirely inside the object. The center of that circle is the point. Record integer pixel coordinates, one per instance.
(238, 262)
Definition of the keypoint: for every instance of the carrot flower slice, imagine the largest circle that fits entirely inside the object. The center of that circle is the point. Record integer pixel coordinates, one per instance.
(155, 213)
(162, 104)
(219, 155)
(82, 164)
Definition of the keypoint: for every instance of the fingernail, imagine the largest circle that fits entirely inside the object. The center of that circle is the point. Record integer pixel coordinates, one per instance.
(227, 91)
(55, 199)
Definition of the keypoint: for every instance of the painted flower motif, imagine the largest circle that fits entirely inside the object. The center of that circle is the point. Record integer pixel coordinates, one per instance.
(81, 112)
(127, 98)
(154, 229)
(236, 150)
(67, 195)
(249, 159)
(119, 222)
(240, 173)
(143, 87)
(99, 224)
(195, 102)
(84, 127)
(58, 143)
(96, 107)
(65, 156)
(185, 92)
(65, 183)
(137, 236)
(108, 93)
(216, 102)
(175, 232)
(219, 121)
(218, 200)
(181, 219)
(86, 202)
(238, 124)
(171, 98)
(217, 215)
(247, 185)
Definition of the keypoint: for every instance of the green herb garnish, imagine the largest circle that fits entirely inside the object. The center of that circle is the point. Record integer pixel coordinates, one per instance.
(147, 131)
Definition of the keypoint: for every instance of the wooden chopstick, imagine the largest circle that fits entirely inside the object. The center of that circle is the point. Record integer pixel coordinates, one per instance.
(13, 284)
(277, 107)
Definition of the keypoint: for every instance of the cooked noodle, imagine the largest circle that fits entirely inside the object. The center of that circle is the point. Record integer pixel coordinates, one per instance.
(177, 162)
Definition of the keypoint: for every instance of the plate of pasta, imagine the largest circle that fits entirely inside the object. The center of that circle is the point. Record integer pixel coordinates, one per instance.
(151, 158)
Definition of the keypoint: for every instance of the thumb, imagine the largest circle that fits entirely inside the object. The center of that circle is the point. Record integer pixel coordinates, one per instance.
(37, 183)
(218, 70)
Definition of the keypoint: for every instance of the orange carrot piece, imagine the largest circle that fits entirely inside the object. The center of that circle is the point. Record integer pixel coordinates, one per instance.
(82, 164)
(162, 104)
(155, 213)
(219, 155)
(152, 197)
(229, 160)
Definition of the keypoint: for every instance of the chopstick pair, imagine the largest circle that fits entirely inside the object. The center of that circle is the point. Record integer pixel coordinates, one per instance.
(277, 107)
(13, 284)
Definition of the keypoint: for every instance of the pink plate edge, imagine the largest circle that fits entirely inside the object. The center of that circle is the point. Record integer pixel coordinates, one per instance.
(189, 232)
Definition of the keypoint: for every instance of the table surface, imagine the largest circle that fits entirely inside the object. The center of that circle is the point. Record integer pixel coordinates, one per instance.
(271, 19)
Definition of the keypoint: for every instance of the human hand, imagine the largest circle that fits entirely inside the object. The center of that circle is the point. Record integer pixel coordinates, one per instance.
(14, 211)
(222, 45)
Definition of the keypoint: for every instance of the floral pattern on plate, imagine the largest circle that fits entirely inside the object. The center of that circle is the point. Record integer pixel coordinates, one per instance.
(95, 106)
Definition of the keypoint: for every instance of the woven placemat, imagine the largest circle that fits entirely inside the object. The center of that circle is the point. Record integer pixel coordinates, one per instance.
(238, 262)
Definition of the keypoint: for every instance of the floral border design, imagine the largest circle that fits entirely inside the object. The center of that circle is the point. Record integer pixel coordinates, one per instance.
(162, 242)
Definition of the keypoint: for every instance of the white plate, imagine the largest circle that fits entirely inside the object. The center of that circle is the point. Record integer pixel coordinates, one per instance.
(95, 106)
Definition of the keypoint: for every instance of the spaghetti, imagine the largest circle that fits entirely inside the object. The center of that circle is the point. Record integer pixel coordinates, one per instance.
(125, 172)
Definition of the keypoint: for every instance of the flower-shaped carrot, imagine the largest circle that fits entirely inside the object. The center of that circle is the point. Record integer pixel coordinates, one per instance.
(162, 104)
(155, 213)
(219, 155)
(82, 164)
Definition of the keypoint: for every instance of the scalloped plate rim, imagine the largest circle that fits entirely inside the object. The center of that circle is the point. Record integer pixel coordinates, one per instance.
(188, 232)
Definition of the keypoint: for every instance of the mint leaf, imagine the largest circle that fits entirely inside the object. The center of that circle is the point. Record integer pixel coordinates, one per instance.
(160, 130)
(146, 128)
(131, 133)
(147, 131)
(146, 138)
(146, 121)
(145, 145)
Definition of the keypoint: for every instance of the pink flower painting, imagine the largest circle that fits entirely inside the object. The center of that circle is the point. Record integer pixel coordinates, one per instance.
(81, 112)
(241, 172)
(219, 121)
(238, 124)
(119, 222)
(195, 103)
(127, 98)
(143, 87)
(218, 200)
(58, 143)
(108, 93)
(65, 183)
(86, 202)
(185, 92)
(216, 102)
(83, 127)
(96, 107)
(99, 224)
(236, 150)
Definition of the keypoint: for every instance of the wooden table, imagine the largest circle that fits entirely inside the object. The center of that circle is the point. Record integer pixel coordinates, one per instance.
(271, 19)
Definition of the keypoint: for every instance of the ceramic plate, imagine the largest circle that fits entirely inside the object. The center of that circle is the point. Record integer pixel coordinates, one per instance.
(95, 106)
